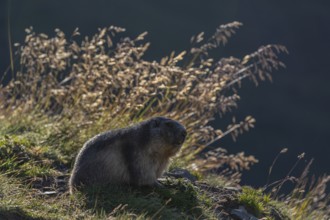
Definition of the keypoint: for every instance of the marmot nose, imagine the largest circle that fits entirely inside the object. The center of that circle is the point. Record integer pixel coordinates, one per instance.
(183, 134)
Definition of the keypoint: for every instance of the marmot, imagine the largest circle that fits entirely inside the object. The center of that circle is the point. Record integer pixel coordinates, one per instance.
(136, 155)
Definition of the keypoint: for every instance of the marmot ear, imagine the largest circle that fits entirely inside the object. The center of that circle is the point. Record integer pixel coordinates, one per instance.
(155, 123)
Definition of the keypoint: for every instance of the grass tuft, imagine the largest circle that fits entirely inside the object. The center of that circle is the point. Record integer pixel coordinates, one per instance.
(255, 201)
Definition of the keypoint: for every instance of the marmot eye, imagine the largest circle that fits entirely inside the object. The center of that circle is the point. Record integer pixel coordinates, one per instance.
(169, 124)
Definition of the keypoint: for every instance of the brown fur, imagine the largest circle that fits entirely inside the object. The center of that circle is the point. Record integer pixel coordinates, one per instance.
(135, 155)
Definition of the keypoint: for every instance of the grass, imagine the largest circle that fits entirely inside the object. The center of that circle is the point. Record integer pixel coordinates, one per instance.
(82, 88)
(25, 202)
(29, 170)
(21, 158)
(178, 200)
(64, 92)
(255, 201)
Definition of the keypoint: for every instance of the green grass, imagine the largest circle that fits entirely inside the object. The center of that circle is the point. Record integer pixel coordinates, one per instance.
(255, 201)
(23, 162)
(30, 155)
(178, 200)
(23, 201)
(262, 205)
(21, 158)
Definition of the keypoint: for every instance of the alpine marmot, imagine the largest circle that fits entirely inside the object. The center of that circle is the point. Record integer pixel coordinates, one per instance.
(136, 155)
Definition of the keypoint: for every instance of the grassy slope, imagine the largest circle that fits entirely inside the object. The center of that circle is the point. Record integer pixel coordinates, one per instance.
(33, 186)
(30, 170)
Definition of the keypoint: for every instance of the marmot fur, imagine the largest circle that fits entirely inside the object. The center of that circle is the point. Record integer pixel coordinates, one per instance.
(135, 155)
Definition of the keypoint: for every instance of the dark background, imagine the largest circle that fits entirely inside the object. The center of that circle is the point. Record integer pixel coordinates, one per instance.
(291, 112)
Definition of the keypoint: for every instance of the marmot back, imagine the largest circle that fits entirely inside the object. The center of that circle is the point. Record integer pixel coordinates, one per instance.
(135, 155)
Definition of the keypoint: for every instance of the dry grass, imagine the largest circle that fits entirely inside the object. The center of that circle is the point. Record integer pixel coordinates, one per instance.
(308, 199)
(103, 83)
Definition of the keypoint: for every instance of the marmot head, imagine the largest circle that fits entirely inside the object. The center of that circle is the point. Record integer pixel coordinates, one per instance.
(169, 132)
